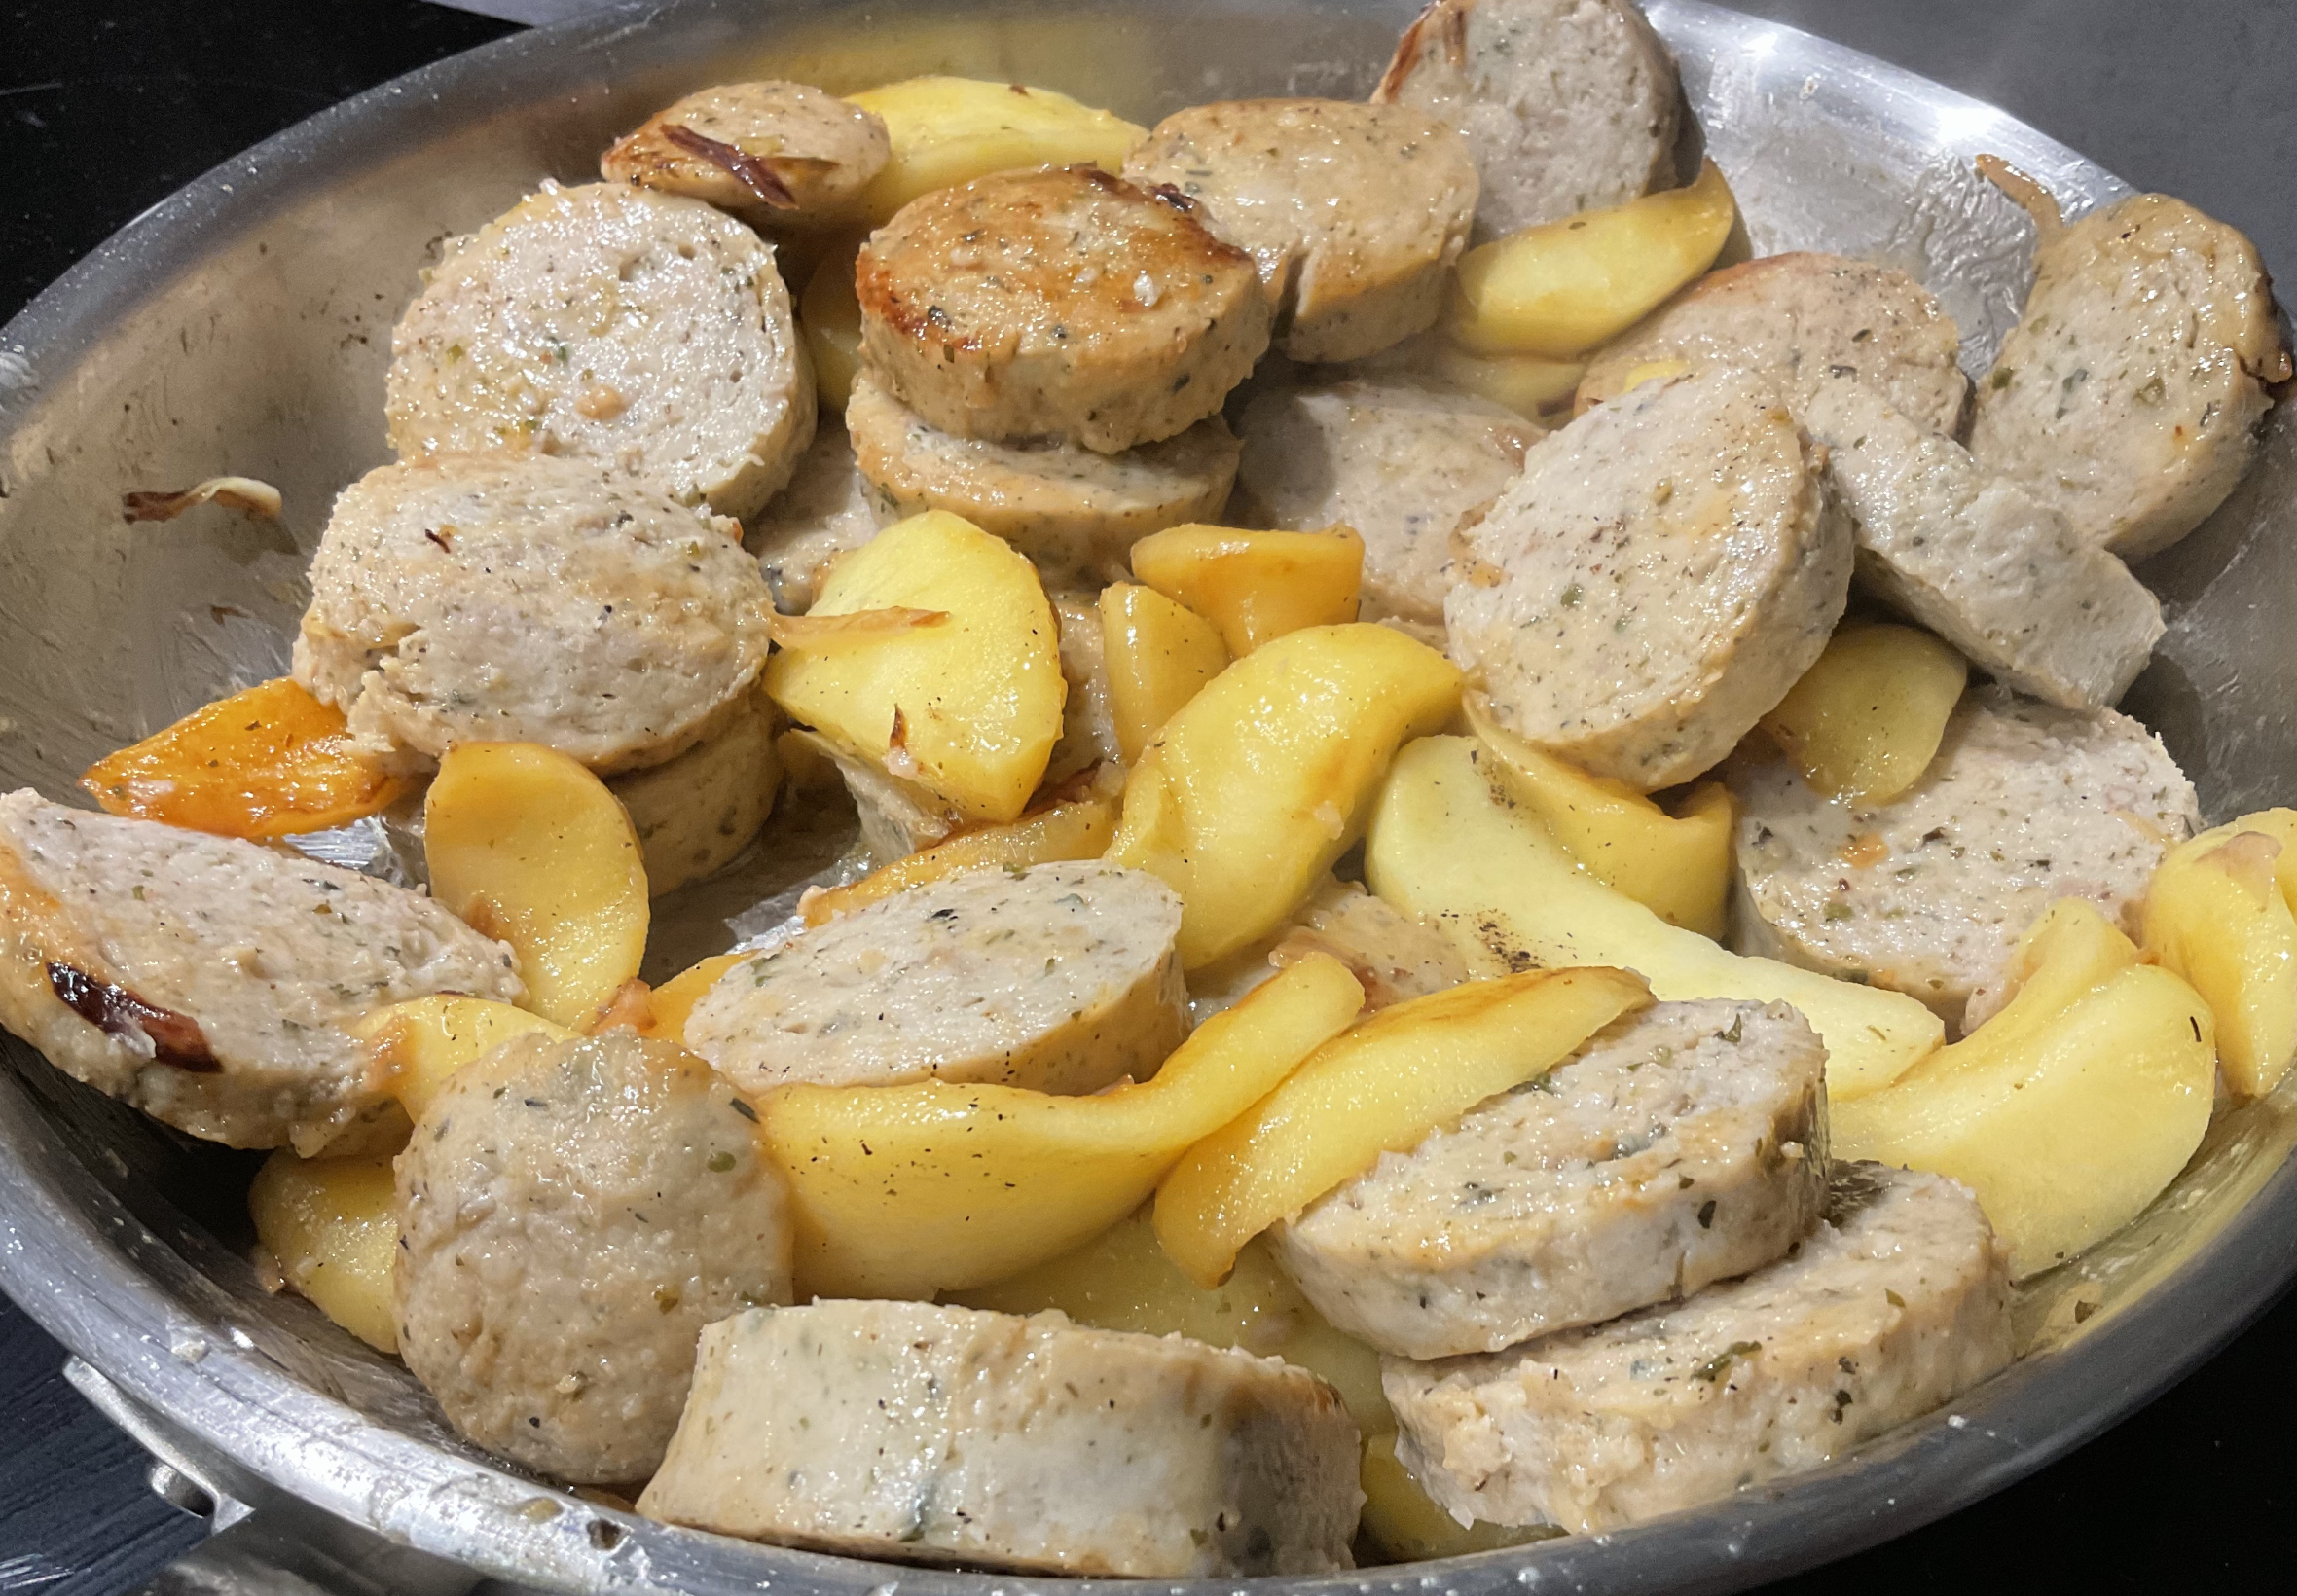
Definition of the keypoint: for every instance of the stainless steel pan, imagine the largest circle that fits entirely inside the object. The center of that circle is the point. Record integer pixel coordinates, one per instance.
(243, 326)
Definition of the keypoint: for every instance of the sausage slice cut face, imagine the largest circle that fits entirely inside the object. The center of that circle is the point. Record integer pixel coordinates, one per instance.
(2130, 394)
(771, 152)
(212, 982)
(1800, 321)
(527, 599)
(1061, 303)
(1928, 894)
(1058, 977)
(823, 512)
(1981, 561)
(574, 1212)
(1897, 1304)
(1679, 1147)
(1661, 573)
(1353, 213)
(1566, 105)
(1402, 463)
(901, 1430)
(1074, 512)
(645, 331)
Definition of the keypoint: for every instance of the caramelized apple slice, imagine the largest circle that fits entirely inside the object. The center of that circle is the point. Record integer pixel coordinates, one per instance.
(272, 761)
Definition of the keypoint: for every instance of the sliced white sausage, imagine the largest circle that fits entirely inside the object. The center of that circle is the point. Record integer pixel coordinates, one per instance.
(1566, 105)
(1896, 1305)
(695, 813)
(1979, 559)
(646, 331)
(1680, 1146)
(1353, 213)
(1062, 303)
(1074, 512)
(1088, 724)
(1664, 569)
(1929, 893)
(905, 1430)
(823, 512)
(572, 1215)
(211, 982)
(1800, 321)
(1402, 462)
(526, 599)
(1058, 977)
(773, 153)
(2129, 395)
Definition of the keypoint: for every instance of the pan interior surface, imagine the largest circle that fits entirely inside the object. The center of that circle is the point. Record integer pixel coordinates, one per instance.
(243, 327)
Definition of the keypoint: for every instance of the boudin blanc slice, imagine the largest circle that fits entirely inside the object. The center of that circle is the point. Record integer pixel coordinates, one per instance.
(1088, 721)
(1076, 513)
(2129, 396)
(1061, 303)
(1679, 1147)
(774, 153)
(1565, 104)
(1664, 569)
(526, 599)
(645, 331)
(694, 814)
(823, 512)
(1896, 1305)
(1354, 214)
(1391, 956)
(1402, 462)
(1928, 894)
(573, 1213)
(212, 982)
(931, 1434)
(1800, 321)
(1979, 559)
(1058, 977)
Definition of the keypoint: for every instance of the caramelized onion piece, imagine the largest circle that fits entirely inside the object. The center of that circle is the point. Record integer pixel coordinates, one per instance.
(257, 498)
(812, 630)
(2028, 193)
(750, 172)
(176, 1039)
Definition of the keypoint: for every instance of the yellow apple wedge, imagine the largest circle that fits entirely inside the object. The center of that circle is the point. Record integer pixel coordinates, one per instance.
(1158, 654)
(524, 844)
(332, 1224)
(420, 1044)
(1252, 791)
(962, 698)
(1678, 867)
(1449, 847)
(2218, 914)
(2070, 1110)
(1559, 288)
(1864, 723)
(949, 131)
(669, 1005)
(907, 1190)
(1254, 586)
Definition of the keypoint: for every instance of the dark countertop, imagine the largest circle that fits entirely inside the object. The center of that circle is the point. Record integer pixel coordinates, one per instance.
(107, 106)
